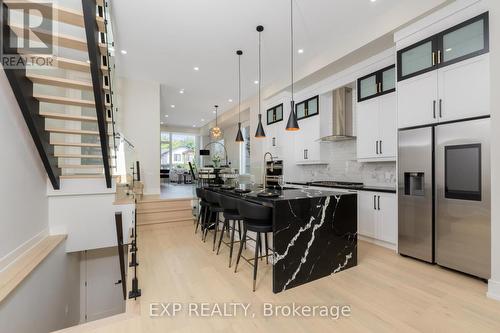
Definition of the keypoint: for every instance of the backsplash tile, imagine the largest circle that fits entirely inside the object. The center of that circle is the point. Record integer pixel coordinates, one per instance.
(343, 166)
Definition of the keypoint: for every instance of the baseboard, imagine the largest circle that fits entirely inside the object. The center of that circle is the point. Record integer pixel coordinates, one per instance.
(493, 289)
(387, 245)
(12, 256)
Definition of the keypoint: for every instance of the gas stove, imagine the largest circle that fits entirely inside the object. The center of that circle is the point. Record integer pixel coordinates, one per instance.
(334, 183)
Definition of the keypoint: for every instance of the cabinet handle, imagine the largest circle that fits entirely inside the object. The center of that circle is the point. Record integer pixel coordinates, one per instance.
(274, 142)
(439, 56)
(440, 108)
(433, 58)
(380, 149)
(378, 199)
(379, 87)
(434, 109)
(375, 202)
(376, 146)
(305, 154)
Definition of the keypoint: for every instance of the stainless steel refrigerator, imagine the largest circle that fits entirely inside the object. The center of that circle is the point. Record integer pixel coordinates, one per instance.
(444, 195)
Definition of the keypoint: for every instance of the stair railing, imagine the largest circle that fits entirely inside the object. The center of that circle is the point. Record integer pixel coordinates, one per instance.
(96, 58)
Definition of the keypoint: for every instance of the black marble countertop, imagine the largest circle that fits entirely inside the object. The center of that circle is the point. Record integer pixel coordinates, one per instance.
(384, 189)
(286, 194)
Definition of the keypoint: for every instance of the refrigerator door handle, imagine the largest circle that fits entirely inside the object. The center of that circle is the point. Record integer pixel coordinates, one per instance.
(434, 109)
(378, 201)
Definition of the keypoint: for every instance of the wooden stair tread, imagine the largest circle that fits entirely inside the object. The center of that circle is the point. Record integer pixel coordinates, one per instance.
(60, 40)
(61, 155)
(68, 64)
(66, 15)
(76, 144)
(163, 210)
(165, 221)
(64, 100)
(71, 117)
(81, 166)
(62, 116)
(59, 82)
(85, 176)
(71, 131)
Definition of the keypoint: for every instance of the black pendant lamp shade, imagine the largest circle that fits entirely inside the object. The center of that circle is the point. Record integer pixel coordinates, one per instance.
(260, 129)
(239, 135)
(292, 124)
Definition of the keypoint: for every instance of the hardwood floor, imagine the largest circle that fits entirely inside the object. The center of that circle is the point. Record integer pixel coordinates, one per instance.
(386, 292)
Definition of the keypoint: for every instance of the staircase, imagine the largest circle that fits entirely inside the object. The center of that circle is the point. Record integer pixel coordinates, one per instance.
(66, 97)
(155, 210)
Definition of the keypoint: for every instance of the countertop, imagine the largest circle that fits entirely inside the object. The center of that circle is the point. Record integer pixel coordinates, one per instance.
(286, 194)
(384, 189)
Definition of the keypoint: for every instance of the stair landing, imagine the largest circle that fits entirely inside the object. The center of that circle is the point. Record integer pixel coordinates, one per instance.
(152, 209)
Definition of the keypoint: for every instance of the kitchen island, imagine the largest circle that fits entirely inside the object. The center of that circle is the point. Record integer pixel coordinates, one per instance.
(314, 233)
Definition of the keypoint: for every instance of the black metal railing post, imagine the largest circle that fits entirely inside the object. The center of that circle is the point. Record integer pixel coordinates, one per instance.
(135, 292)
(121, 254)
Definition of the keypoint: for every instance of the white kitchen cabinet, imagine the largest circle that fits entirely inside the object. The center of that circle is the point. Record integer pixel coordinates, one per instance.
(367, 129)
(464, 89)
(417, 98)
(457, 91)
(307, 148)
(377, 128)
(377, 216)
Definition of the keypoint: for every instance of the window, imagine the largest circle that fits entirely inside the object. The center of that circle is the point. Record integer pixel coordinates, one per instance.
(245, 152)
(463, 172)
(307, 108)
(275, 114)
(177, 149)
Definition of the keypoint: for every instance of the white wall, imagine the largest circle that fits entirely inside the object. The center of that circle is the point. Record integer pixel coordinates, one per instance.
(494, 283)
(48, 299)
(23, 202)
(140, 114)
(84, 210)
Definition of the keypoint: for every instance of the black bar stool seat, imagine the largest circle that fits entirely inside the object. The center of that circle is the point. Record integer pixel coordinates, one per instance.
(231, 213)
(204, 206)
(214, 207)
(259, 219)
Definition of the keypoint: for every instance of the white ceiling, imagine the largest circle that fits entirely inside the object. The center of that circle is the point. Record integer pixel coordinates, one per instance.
(166, 39)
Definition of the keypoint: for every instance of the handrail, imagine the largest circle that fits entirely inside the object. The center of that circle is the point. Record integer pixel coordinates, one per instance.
(92, 33)
(30, 106)
(106, 24)
(120, 135)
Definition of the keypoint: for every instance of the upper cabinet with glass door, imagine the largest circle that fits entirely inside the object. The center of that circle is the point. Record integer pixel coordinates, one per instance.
(376, 84)
(463, 41)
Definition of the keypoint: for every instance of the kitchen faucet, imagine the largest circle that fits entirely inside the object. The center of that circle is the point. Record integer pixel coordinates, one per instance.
(264, 178)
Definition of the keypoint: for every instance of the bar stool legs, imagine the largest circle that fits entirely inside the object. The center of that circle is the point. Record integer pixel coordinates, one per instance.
(224, 227)
(256, 260)
(243, 241)
(232, 241)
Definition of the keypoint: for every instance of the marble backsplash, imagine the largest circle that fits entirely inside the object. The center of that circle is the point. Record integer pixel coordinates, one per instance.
(343, 166)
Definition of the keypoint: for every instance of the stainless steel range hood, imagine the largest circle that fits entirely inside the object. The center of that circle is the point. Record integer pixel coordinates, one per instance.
(342, 119)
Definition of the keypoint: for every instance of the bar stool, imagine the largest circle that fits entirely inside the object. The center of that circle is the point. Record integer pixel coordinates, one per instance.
(230, 207)
(202, 215)
(214, 207)
(256, 218)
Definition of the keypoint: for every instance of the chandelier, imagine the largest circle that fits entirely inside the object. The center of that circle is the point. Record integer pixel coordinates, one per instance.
(216, 132)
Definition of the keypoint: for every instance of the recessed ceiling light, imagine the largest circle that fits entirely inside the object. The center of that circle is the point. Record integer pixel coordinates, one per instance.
(196, 68)
(202, 119)
(373, 0)
(194, 125)
(166, 116)
(449, 49)
(230, 100)
(172, 106)
(123, 51)
(88, 61)
(300, 51)
(256, 82)
(161, 122)
(181, 91)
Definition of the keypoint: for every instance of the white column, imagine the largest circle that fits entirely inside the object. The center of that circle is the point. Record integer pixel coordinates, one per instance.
(494, 282)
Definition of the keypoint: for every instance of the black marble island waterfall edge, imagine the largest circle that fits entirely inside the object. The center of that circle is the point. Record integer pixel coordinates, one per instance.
(313, 238)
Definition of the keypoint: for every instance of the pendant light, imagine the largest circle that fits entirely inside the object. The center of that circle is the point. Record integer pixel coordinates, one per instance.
(239, 136)
(260, 129)
(216, 132)
(292, 124)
